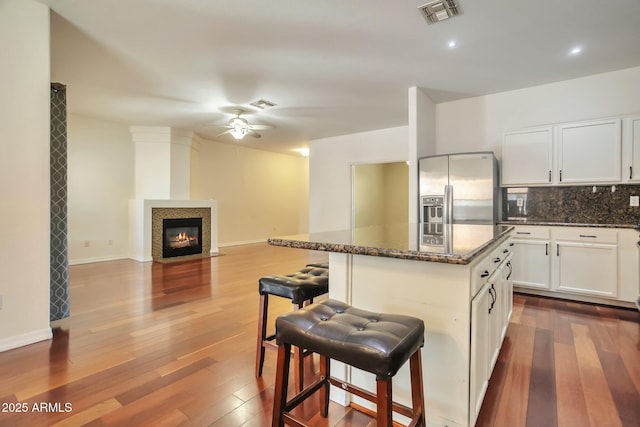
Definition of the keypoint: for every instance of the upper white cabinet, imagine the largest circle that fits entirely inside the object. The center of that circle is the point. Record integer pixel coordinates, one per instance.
(589, 152)
(526, 157)
(570, 154)
(631, 143)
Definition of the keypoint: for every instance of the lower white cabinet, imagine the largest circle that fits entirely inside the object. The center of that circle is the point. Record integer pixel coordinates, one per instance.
(490, 314)
(588, 262)
(585, 267)
(480, 350)
(535, 272)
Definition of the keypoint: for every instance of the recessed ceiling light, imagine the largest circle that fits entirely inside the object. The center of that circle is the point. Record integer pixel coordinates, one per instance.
(452, 44)
(575, 51)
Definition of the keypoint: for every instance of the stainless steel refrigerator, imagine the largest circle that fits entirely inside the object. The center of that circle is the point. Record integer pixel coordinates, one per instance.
(457, 189)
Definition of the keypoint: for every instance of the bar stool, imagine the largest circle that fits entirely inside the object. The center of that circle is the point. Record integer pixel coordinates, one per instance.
(300, 287)
(373, 342)
(319, 264)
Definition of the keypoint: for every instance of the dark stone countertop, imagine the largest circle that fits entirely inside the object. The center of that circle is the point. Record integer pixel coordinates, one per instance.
(463, 242)
(566, 224)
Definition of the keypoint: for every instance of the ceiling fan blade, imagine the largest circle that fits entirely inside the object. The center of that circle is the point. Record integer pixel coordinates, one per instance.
(260, 127)
(226, 131)
(254, 134)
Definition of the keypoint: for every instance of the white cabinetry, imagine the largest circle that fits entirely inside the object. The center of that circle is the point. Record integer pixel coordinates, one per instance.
(531, 260)
(480, 350)
(589, 152)
(586, 262)
(582, 263)
(490, 314)
(567, 154)
(631, 146)
(526, 157)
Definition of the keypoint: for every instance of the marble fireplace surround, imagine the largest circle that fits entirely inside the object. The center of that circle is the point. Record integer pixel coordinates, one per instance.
(145, 222)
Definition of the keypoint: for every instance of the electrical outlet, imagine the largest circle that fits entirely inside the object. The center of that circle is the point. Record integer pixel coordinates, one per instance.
(86, 243)
(634, 201)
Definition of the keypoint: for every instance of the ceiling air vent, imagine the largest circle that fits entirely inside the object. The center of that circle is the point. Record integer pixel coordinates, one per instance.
(262, 104)
(439, 10)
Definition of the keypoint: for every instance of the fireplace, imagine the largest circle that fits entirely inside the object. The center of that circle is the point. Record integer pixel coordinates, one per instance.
(181, 236)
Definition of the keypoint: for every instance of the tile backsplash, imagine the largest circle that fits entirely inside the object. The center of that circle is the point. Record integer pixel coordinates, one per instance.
(576, 204)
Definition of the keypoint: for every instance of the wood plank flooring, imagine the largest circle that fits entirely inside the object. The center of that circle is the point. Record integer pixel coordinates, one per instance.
(174, 344)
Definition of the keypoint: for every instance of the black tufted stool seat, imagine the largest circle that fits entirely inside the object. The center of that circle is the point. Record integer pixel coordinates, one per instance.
(319, 264)
(300, 287)
(373, 342)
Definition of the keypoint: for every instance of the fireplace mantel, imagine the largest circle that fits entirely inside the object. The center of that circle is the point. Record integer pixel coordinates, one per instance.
(140, 220)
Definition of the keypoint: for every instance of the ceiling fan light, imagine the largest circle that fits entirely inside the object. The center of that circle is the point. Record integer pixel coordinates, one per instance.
(238, 131)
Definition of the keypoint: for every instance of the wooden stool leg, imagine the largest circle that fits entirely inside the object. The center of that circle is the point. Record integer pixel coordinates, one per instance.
(298, 357)
(281, 385)
(384, 402)
(262, 332)
(417, 392)
(325, 373)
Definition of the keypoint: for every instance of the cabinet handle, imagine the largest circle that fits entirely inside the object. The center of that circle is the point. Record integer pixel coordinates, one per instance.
(511, 244)
(496, 260)
(630, 172)
(557, 250)
(510, 269)
(505, 251)
(549, 176)
(561, 176)
(523, 232)
(546, 249)
(484, 274)
(589, 235)
(493, 297)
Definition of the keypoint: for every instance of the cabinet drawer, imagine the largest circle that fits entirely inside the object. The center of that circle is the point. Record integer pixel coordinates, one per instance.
(531, 232)
(487, 266)
(586, 235)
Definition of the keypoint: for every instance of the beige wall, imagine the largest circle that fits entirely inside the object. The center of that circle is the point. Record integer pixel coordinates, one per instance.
(100, 175)
(380, 194)
(24, 172)
(259, 193)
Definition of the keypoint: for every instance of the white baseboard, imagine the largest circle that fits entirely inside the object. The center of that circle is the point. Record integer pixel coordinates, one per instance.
(25, 339)
(243, 242)
(96, 259)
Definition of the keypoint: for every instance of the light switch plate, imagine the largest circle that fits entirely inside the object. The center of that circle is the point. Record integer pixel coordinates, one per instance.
(634, 201)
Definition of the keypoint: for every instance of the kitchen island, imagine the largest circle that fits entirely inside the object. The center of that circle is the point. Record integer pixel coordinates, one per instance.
(459, 285)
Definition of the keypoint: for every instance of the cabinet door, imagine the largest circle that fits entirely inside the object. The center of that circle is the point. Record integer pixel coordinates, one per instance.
(589, 269)
(507, 296)
(589, 152)
(480, 352)
(526, 157)
(631, 141)
(496, 317)
(531, 263)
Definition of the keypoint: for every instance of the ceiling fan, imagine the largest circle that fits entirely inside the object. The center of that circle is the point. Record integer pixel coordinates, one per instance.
(239, 127)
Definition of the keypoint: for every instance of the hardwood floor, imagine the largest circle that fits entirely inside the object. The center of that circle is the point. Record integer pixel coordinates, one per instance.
(174, 344)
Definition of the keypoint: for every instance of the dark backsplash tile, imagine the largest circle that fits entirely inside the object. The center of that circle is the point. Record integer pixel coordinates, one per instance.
(577, 205)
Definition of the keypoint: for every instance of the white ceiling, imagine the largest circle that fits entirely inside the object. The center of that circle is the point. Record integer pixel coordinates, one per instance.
(333, 67)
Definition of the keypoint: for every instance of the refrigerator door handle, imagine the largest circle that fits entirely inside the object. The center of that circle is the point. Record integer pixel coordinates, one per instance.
(446, 205)
(450, 204)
